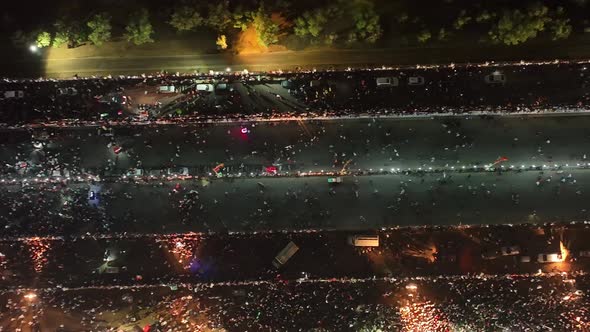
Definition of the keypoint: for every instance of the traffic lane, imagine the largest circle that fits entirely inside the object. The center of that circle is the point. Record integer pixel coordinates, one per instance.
(296, 203)
(321, 145)
(328, 145)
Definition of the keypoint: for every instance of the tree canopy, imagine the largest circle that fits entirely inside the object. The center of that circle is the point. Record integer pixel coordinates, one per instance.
(515, 26)
(186, 18)
(219, 17)
(267, 30)
(43, 39)
(100, 29)
(68, 32)
(311, 23)
(139, 30)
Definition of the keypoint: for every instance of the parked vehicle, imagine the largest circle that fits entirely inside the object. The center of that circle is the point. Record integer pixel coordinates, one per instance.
(510, 250)
(549, 258)
(495, 78)
(387, 81)
(284, 255)
(335, 180)
(364, 240)
(179, 171)
(415, 80)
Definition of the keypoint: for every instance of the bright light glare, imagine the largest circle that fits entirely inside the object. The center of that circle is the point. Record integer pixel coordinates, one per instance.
(411, 287)
(30, 296)
(33, 48)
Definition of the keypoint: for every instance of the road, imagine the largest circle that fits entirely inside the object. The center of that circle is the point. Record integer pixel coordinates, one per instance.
(310, 145)
(295, 203)
(406, 252)
(49, 65)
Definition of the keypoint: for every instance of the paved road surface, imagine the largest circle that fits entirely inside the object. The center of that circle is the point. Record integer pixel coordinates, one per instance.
(295, 203)
(122, 64)
(313, 146)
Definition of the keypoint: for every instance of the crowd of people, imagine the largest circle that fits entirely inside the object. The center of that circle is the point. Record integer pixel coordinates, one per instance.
(467, 303)
(450, 90)
(57, 209)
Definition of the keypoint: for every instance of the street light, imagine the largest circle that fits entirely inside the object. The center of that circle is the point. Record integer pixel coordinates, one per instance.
(30, 296)
(228, 69)
(33, 48)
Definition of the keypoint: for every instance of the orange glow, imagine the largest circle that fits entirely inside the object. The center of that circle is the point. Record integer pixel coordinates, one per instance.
(183, 248)
(38, 252)
(564, 251)
(420, 317)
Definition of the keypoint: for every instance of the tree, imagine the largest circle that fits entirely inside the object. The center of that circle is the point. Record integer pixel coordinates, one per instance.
(221, 42)
(139, 30)
(484, 16)
(185, 18)
(20, 38)
(366, 21)
(462, 20)
(100, 29)
(366, 25)
(310, 23)
(443, 34)
(219, 17)
(560, 25)
(515, 27)
(267, 30)
(43, 39)
(560, 28)
(242, 19)
(424, 36)
(68, 32)
(61, 37)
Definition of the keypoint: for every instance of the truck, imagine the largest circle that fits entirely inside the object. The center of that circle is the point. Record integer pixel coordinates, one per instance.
(364, 240)
(336, 179)
(283, 256)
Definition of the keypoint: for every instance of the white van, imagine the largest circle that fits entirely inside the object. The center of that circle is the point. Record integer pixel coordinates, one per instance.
(364, 240)
(387, 81)
(205, 87)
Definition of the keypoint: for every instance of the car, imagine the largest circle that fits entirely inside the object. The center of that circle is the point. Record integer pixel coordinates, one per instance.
(387, 81)
(135, 172)
(549, 258)
(9, 94)
(205, 87)
(415, 80)
(335, 180)
(495, 78)
(315, 83)
(489, 254)
(181, 171)
(288, 84)
(167, 89)
(510, 250)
